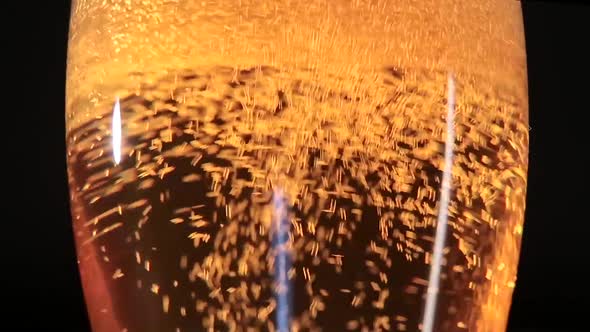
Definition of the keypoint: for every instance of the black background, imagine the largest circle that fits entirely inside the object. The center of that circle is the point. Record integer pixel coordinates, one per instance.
(552, 293)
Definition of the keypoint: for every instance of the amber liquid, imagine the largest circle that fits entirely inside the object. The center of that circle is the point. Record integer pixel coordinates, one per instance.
(284, 197)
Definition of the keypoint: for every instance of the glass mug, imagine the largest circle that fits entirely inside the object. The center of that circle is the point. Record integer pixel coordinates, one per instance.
(320, 165)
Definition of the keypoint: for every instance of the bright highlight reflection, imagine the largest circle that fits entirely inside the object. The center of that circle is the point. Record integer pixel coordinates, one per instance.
(116, 132)
(441, 224)
(282, 263)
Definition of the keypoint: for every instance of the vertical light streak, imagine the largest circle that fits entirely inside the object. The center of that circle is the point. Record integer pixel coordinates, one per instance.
(442, 221)
(116, 132)
(282, 262)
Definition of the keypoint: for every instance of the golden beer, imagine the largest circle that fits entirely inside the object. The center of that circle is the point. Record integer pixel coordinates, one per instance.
(320, 165)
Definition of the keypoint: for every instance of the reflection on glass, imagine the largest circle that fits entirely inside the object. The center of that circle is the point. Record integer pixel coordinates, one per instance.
(116, 132)
(253, 165)
(442, 220)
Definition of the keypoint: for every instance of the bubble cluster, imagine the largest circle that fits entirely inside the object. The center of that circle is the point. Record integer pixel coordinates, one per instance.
(181, 228)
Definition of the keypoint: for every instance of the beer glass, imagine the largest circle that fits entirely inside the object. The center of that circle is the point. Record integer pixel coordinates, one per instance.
(319, 165)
